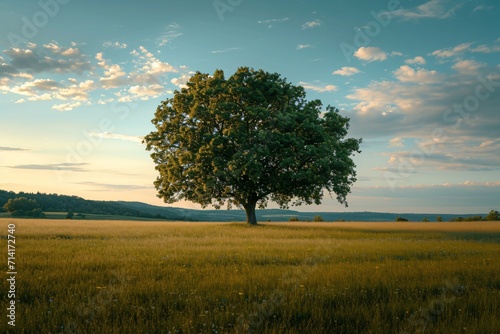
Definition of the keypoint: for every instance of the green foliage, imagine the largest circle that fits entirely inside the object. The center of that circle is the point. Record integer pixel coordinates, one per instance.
(21, 206)
(63, 203)
(425, 219)
(247, 140)
(493, 215)
(468, 219)
(318, 218)
(401, 219)
(70, 214)
(439, 218)
(293, 219)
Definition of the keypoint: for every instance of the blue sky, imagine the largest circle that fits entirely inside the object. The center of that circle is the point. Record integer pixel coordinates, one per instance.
(420, 81)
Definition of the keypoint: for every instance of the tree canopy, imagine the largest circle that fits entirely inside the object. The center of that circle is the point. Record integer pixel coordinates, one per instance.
(22, 206)
(249, 139)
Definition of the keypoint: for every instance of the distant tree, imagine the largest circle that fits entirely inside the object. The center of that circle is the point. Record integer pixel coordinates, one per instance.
(70, 214)
(493, 215)
(425, 219)
(318, 218)
(249, 139)
(401, 219)
(439, 218)
(22, 206)
(293, 219)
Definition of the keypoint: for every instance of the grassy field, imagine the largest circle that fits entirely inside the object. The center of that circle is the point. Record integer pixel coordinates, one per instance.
(161, 277)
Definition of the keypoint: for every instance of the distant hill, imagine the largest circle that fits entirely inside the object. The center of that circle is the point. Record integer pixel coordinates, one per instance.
(63, 203)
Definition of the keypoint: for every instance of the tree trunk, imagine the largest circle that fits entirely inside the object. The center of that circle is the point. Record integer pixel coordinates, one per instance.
(250, 211)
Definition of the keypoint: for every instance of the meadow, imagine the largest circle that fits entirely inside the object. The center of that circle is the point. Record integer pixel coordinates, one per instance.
(162, 277)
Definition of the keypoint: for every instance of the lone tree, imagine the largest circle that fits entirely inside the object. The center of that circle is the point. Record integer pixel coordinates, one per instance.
(249, 139)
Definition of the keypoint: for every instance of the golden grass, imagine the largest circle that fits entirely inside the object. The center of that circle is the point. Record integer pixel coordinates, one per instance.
(157, 277)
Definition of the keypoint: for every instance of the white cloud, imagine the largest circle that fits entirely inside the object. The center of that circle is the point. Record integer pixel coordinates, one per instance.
(370, 54)
(407, 74)
(417, 60)
(66, 106)
(311, 24)
(152, 70)
(116, 45)
(181, 81)
(76, 92)
(32, 88)
(318, 88)
(224, 50)
(145, 92)
(452, 52)
(114, 75)
(50, 58)
(171, 32)
(347, 71)
(433, 9)
(482, 7)
(468, 67)
(396, 142)
(107, 135)
(483, 48)
(303, 46)
(273, 20)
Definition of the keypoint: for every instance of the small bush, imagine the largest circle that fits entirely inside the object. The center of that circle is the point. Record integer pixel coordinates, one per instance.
(318, 219)
(293, 219)
(401, 219)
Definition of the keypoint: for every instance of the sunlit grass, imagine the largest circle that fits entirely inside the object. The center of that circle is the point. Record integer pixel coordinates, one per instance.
(148, 277)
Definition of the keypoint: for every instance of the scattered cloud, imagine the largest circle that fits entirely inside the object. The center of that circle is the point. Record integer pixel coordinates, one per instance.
(182, 80)
(468, 67)
(75, 167)
(407, 74)
(311, 24)
(171, 32)
(3, 148)
(303, 46)
(370, 54)
(347, 71)
(482, 7)
(48, 58)
(107, 135)
(483, 48)
(452, 52)
(320, 88)
(116, 45)
(112, 187)
(225, 50)
(146, 92)
(396, 142)
(273, 20)
(66, 106)
(417, 60)
(433, 9)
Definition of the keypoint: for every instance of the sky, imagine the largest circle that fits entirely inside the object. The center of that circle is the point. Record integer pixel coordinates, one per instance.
(419, 79)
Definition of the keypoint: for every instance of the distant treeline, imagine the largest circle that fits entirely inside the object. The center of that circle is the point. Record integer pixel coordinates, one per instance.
(63, 203)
